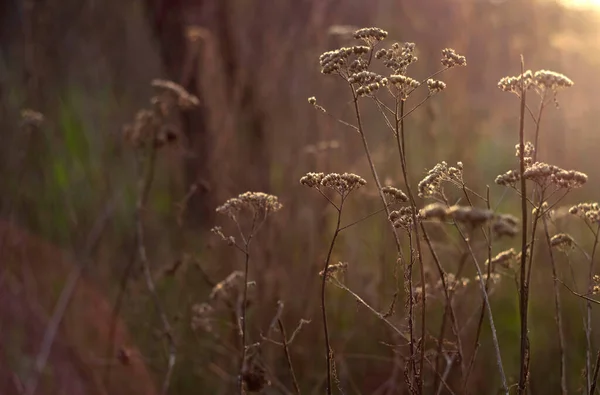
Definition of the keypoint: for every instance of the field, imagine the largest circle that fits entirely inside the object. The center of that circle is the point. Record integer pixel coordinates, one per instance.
(339, 197)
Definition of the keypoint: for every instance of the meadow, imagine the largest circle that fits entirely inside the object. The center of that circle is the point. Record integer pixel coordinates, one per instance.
(339, 197)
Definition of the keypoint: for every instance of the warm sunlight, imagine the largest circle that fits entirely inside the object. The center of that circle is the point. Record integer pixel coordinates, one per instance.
(581, 3)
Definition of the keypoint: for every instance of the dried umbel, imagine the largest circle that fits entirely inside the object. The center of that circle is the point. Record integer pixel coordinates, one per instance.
(562, 241)
(403, 218)
(433, 211)
(509, 178)
(259, 203)
(435, 86)
(587, 211)
(404, 85)
(370, 35)
(505, 258)
(367, 81)
(468, 215)
(334, 269)
(338, 60)
(394, 195)
(542, 81)
(544, 174)
(398, 57)
(505, 225)
(451, 59)
(596, 287)
(431, 185)
(343, 184)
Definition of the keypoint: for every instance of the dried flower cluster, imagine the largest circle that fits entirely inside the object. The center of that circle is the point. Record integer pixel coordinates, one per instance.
(402, 218)
(259, 203)
(431, 185)
(435, 86)
(334, 269)
(587, 211)
(404, 85)
(596, 287)
(370, 35)
(451, 59)
(152, 126)
(562, 241)
(394, 195)
(367, 81)
(338, 59)
(343, 184)
(494, 277)
(230, 240)
(452, 282)
(398, 57)
(541, 81)
(541, 173)
(505, 225)
(504, 258)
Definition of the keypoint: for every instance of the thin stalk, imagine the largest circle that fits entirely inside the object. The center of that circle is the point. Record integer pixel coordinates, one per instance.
(287, 356)
(523, 292)
(401, 142)
(323, 305)
(588, 327)
(489, 311)
(557, 313)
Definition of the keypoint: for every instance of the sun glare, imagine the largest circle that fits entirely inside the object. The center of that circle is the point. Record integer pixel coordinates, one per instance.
(587, 4)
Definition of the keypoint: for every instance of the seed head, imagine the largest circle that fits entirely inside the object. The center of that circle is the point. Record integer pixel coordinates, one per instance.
(343, 184)
(588, 211)
(505, 258)
(562, 241)
(394, 195)
(258, 202)
(433, 211)
(435, 86)
(398, 57)
(370, 35)
(451, 59)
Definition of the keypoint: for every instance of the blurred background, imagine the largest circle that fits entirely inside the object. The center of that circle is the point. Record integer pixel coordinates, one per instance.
(87, 65)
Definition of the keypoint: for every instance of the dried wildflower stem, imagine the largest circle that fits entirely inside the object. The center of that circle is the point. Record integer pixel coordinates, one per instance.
(596, 369)
(557, 313)
(523, 289)
(588, 326)
(328, 350)
(143, 190)
(288, 356)
(401, 142)
(482, 284)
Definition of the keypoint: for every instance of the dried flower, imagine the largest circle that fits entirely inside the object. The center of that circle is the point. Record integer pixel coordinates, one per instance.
(505, 225)
(339, 267)
(431, 185)
(435, 86)
(509, 178)
(259, 203)
(472, 216)
(402, 218)
(433, 211)
(394, 195)
(451, 59)
(343, 184)
(562, 241)
(504, 258)
(334, 61)
(370, 35)
(587, 211)
(398, 57)
(32, 118)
